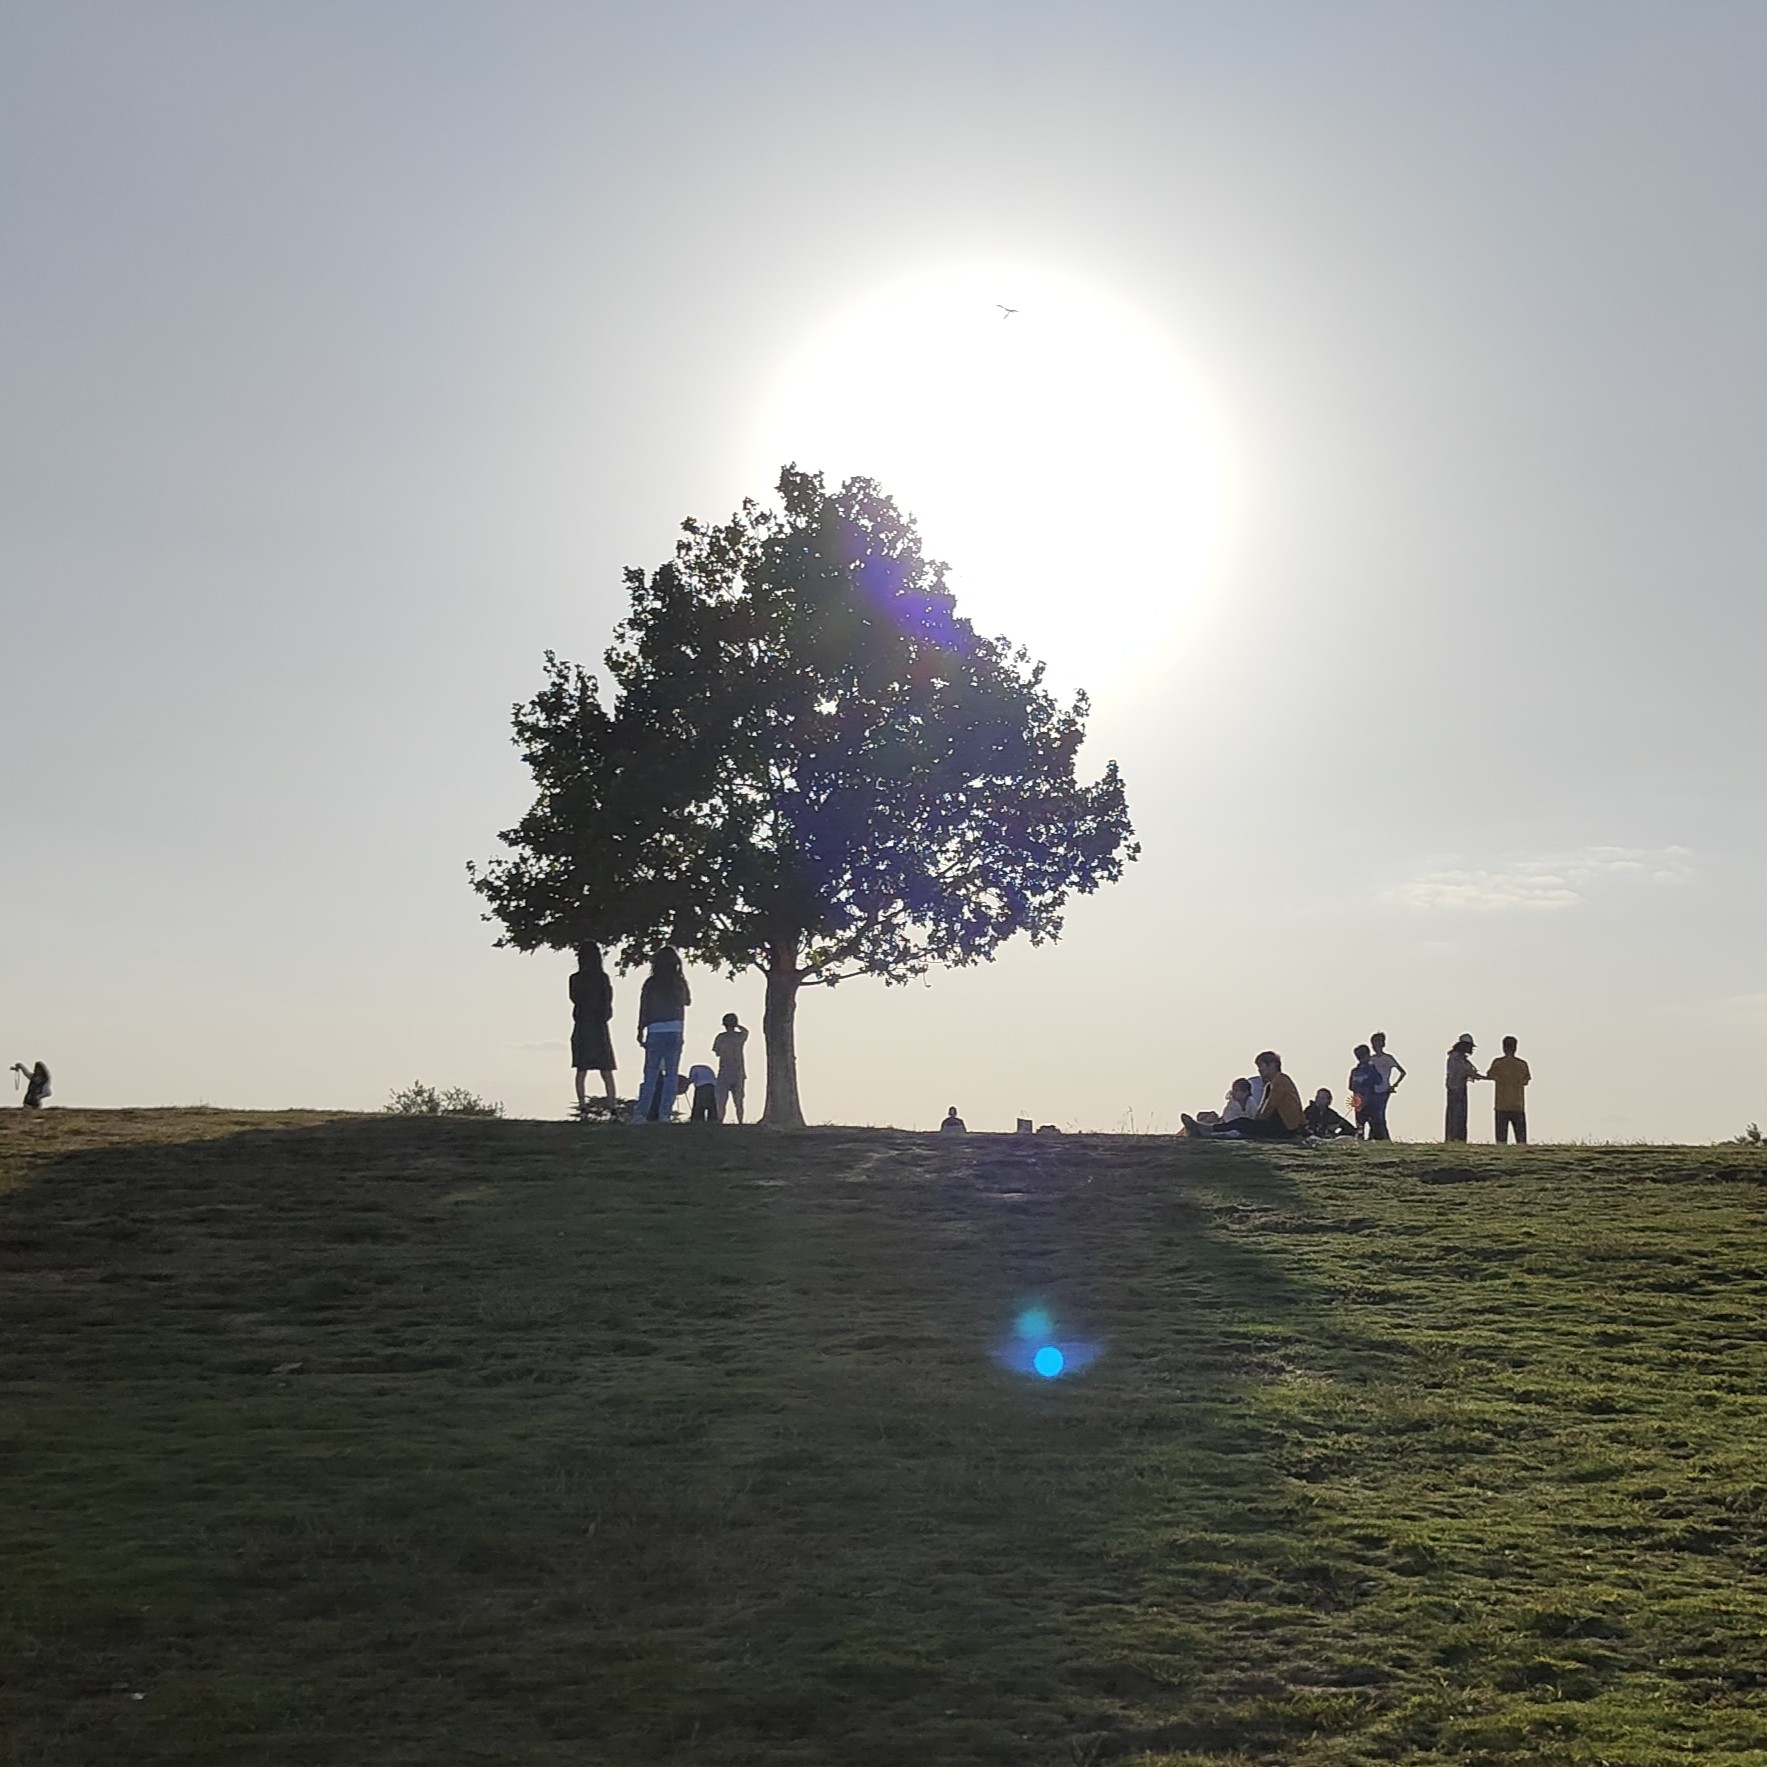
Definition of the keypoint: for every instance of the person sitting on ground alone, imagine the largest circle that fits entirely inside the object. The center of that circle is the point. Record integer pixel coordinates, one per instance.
(705, 1093)
(1461, 1073)
(592, 1006)
(728, 1047)
(1368, 1096)
(1511, 1075)
(36, 1084)
(1280, 1116)
(953, 1123)
(1323, 1120)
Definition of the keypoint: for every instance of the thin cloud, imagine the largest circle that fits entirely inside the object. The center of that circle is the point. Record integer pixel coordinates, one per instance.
(1539, 886)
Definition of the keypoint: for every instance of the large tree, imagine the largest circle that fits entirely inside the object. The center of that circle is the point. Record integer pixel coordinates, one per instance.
(812, 766)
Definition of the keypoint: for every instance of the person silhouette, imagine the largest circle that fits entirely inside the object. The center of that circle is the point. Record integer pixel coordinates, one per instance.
(36, 1084)
(662, 1026)
(592, 1006)
(1461, 1073)
(953, 1123)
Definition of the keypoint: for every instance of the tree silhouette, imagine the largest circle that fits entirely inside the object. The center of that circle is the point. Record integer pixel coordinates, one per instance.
(812, 766)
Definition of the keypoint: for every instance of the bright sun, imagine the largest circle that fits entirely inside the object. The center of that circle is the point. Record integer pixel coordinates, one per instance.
(1060, 458)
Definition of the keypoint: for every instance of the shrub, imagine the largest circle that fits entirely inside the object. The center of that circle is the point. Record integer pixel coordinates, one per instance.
(419, 1100)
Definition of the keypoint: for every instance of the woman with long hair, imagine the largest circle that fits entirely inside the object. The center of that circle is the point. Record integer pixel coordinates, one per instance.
(592, 1005)
(36, 1083)
(662, 1025)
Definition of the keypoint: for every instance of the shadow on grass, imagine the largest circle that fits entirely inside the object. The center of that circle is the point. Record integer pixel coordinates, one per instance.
(429, 1441)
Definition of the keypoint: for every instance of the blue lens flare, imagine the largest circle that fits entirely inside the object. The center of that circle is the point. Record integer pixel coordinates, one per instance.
(1038, 1347)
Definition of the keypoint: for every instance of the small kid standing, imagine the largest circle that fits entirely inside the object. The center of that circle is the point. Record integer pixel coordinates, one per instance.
(727, 1046)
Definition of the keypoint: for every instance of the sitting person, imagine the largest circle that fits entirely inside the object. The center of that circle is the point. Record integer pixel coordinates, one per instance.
(953, 1123)
(1278, 1117)
(1239, 1102)
(1322, 1119)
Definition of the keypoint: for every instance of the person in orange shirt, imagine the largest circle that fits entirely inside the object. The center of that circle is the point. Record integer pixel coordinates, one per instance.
(1279, 1116)
(1512, 1077)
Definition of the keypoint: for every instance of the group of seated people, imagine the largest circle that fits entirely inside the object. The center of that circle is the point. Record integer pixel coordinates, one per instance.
(1269, 1108)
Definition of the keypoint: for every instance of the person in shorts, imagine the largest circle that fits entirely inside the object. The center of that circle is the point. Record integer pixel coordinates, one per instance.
(729, 1047)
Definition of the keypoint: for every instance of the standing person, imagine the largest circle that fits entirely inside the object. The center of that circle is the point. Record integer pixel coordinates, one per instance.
(1460, 1073)
(1279, 1117)
(1511, 1076)
(36, 1084)
(728, 1047)
(592, 1006)
(1368, 1086)
(1391, 1070)
(953, 1123)
(662, 1024)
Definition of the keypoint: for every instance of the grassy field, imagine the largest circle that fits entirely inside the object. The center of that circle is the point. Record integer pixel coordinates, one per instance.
(349, 1440)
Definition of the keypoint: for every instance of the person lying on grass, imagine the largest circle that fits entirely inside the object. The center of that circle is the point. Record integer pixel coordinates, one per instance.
(1279, 1116)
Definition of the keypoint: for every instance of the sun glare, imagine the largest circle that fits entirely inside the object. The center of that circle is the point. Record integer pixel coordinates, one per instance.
(1058, 456)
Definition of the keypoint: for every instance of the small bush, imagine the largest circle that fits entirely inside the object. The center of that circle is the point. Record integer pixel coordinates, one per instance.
(419, 1100)
(1750, 1137)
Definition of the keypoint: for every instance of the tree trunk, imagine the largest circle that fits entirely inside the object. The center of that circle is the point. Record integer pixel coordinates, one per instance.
(779, 1022)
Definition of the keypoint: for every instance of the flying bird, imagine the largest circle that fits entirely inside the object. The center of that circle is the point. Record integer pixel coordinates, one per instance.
(1006, 312)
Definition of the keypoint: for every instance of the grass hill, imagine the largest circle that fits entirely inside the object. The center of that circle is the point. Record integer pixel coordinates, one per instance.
(342, 1440)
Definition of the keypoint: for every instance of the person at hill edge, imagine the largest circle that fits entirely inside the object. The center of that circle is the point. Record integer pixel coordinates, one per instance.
(36, 1084)
(1368, 1092)
(1279, 1116)
(1510, 1075)
(953, 1123)
(1323, 1120)
(1461, 1073)
(728, 1046)
(592, 1006)
(662, 1025)
(1391, 1069)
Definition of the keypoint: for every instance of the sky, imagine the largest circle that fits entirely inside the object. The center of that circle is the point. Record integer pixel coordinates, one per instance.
(1379, 440)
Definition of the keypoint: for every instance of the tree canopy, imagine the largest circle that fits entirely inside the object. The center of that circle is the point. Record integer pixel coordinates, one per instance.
(811, 765)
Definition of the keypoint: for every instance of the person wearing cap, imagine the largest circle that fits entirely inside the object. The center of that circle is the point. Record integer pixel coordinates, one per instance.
(1461, 1073)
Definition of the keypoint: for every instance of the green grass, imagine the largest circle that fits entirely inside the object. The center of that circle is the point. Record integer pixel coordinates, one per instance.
(348, 1440)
